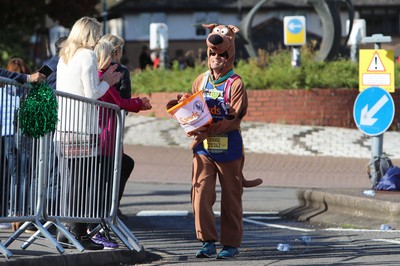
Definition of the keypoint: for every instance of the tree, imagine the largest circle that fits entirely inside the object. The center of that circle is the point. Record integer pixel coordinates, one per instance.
(23, 25)
(67, 12)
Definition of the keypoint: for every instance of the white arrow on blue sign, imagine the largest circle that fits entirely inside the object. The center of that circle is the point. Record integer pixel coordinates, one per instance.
(295, 26)
(373, 111)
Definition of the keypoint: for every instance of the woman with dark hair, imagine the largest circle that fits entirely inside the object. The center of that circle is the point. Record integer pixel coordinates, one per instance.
(17, 146)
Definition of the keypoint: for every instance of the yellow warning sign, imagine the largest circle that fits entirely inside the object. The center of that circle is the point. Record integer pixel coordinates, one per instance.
(376, 64)
(376, 69)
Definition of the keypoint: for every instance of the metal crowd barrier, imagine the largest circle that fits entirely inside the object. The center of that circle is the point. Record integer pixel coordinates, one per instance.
(72, 174)
(16, 187)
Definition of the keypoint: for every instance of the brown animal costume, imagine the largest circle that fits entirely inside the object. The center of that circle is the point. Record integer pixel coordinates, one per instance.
(221, 43)
(218, 148)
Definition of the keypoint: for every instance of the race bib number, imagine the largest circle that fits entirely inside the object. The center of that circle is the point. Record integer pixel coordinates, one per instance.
(216, 143)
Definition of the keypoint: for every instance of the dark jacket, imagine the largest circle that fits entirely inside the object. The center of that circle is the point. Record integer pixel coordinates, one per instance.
(21, 78)
(124, 84)
(52, 78)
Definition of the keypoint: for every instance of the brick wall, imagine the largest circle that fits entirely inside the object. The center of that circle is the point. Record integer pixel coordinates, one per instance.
(319, 107)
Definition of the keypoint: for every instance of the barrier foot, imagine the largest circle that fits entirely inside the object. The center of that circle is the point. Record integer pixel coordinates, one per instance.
(125, 235)
(5, 251)
(42, 229)
(16, 234)
(33, 237)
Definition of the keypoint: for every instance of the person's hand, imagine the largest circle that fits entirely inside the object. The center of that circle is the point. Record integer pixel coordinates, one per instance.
(146, 105)
(199, 136)
(36, 77)
(183, 97)
(198, 131)
(111, 76)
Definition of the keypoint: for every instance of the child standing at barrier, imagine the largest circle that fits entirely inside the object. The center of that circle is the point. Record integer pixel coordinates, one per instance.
(77, 74)
(104, 50)
(124, 84)
(124, 89)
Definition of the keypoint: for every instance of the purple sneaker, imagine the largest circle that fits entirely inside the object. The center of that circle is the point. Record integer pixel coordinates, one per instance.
(102, 240)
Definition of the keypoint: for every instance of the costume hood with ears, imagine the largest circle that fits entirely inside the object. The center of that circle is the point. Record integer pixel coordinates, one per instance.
(220, 40)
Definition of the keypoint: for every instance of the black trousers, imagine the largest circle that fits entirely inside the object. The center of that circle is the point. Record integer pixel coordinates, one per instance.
(127, 165)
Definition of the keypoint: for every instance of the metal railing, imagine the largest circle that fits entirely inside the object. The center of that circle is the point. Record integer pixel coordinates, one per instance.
(69, 175)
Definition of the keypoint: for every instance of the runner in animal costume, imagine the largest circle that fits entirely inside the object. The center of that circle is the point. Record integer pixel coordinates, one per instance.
(218, 148)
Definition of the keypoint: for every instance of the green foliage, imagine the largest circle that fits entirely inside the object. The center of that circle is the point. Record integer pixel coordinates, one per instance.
(267, 71)
(397, 74)
(24, 19)
(15, 44)
(72, 10)
(165, 80)
(280, 74)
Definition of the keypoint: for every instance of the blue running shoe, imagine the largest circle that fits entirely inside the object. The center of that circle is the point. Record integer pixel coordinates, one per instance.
(207, 250)
(228, 252)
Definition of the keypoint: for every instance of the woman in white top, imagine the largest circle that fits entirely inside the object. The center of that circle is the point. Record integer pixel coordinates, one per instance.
(77, 68)
(77, 74)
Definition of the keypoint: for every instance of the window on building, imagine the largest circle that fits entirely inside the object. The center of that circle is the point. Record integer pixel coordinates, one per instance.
(147, 18)
(381, 21)
(200, 18)
(204, 18)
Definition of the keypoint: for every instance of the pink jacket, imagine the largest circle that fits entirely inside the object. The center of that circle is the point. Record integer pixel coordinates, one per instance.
(107, 121)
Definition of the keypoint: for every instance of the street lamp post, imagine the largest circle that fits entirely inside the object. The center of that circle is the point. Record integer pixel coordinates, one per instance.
(104, 15)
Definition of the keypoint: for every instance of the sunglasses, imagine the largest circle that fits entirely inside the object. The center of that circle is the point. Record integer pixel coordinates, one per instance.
(224, 54)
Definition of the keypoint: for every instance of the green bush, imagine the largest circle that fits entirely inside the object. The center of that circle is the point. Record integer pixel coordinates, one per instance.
(165, 80)
(267, 71)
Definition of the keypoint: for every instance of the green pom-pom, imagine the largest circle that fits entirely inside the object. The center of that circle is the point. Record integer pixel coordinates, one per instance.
(38, 112)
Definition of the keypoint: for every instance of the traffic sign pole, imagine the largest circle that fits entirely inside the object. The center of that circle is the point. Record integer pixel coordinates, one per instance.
(294, 35)
(376, 141)
(373, 114)
(296, 59)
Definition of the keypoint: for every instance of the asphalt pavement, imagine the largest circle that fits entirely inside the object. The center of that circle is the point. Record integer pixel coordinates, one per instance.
(314, 174)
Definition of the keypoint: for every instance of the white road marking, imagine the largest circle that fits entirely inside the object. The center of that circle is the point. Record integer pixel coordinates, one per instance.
(387, 240)
(278, 226)
(162, 213)
(359, 230)
(264, 217)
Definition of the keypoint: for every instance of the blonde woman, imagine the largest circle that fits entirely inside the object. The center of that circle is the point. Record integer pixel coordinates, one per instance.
(77, 68)
(124, 85)
(77, 74)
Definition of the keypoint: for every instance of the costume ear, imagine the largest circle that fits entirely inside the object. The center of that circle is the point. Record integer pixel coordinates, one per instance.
(233, 28)
(209, 26)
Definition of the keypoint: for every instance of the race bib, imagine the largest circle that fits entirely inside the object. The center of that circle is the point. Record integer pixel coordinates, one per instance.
(216, 143)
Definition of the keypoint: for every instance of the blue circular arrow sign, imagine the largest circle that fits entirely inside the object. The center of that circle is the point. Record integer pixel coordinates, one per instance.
(295, 26)
(373, 111)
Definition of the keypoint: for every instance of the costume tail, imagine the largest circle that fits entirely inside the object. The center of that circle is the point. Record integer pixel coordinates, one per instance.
(251, 183)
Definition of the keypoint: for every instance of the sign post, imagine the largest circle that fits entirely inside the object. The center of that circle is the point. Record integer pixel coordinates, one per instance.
(376, 74)
(294, 32)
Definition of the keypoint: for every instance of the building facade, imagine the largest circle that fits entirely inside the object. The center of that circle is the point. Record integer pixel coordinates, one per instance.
(131, 19)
